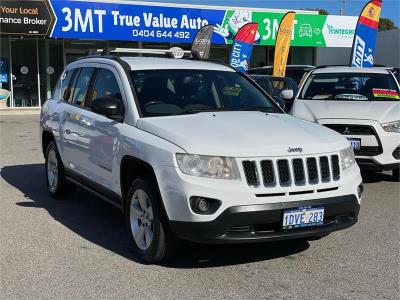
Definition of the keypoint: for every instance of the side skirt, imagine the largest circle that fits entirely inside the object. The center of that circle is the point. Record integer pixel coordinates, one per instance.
(95, 188)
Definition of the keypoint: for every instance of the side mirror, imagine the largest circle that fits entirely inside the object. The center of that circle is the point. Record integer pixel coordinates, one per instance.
(287, 94)
(107, 106)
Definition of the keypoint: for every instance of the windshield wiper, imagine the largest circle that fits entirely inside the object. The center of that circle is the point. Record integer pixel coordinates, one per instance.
(198, 110)
(260, 108)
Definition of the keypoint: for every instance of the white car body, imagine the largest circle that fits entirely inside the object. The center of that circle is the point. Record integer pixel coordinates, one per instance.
(100, 146)
(346, 117)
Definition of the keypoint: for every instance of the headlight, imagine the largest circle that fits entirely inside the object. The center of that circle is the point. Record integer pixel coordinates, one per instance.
(392, 126)
(347, 158)
(208, 166)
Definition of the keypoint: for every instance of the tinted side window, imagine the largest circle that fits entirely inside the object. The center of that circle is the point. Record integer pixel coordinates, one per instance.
(106, 86)
(62, 84)
(79, 91)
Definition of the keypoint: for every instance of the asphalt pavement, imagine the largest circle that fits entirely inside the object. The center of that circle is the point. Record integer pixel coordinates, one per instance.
(77, 248)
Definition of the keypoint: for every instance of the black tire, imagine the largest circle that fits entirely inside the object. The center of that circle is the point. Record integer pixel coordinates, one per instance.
(163, 243)
(396, 175)
(60, 190)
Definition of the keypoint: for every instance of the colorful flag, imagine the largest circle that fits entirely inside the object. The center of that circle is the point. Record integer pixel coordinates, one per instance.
(363, 51)
(243, 46)
(202, 41)
(282, 44)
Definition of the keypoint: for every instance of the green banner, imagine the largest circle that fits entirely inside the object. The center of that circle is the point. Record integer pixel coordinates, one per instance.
(308, 30)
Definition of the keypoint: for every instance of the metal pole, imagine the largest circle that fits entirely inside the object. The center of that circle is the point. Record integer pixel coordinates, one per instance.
(38, 71)
(11, 74)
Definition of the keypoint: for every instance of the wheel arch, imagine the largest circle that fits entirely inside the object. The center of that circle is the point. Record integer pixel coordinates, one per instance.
(47, 137)
(133, 167)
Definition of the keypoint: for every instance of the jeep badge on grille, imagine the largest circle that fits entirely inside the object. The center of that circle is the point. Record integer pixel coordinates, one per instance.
(299, 150)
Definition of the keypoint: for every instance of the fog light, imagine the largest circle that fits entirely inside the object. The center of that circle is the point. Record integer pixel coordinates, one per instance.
(204, 206)
(360, 190)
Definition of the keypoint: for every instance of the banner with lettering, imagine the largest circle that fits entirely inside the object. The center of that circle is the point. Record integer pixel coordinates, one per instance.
(243, 46)
(132, 21)
(282, 45)
(202, 41)
(363, 51)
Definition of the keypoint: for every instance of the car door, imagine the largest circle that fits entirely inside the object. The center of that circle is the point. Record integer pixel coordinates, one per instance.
(70, 122)
(100, 133)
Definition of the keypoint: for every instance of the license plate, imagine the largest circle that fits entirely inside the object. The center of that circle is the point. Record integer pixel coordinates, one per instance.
(302, 217)
(355, 143)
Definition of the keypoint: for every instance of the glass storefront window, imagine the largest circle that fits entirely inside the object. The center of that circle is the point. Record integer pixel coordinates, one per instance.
(25, 73)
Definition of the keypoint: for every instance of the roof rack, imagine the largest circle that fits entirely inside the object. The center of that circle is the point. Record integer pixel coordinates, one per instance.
(174, 52)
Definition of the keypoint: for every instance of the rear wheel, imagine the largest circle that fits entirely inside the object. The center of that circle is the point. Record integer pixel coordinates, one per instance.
(55, 178)
(148, 230)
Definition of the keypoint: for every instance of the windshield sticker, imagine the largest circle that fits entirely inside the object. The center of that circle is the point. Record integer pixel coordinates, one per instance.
(351, 97)
(385, 93)
(232, 91)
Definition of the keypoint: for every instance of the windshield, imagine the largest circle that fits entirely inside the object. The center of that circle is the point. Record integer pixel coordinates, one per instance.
(174, 92)
(351, 87)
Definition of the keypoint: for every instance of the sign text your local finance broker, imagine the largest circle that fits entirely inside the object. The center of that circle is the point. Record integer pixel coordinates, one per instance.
(20, 11)
(84, 21)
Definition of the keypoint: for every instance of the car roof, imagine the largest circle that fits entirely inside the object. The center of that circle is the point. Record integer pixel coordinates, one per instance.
(345, 69)
(287, 67)
(158, 63)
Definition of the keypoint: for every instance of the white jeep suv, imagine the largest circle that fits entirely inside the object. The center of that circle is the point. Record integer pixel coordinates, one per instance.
(193, 150)
(361, 104)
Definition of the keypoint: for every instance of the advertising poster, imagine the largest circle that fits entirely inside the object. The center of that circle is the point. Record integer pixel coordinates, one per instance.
(128, 21)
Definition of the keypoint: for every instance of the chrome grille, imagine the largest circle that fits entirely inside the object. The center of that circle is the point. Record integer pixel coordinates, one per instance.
(287, 172)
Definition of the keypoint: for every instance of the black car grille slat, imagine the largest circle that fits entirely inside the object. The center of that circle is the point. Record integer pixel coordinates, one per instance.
(283, 172)
(352, 129)
(312, 170)
(325, 171)
(298, 171)
(335, 167)
(250, 170)
(267, 169)
(291, 172)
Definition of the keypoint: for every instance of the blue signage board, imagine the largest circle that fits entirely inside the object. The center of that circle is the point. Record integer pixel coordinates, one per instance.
(3, 70)
(119, 21)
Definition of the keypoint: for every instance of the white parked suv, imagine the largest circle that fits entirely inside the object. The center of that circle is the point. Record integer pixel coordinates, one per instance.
(194, 150)
(361, 104)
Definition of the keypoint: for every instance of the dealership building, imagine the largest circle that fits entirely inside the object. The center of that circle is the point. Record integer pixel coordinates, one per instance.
(39, 38)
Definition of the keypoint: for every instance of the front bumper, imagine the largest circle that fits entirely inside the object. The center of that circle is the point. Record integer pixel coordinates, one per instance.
(258, 223)
(386, 142)
(373, 165)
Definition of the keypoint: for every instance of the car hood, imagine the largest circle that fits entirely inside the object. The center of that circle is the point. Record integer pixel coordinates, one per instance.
(314, 110)
(243, 134)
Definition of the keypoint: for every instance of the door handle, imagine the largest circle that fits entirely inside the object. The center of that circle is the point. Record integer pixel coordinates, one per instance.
(86, 123)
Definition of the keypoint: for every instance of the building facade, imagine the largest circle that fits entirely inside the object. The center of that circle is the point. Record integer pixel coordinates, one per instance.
(38, 38)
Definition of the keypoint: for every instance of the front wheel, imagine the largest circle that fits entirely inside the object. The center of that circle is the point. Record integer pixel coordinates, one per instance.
(55, 178)
(148, 230)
